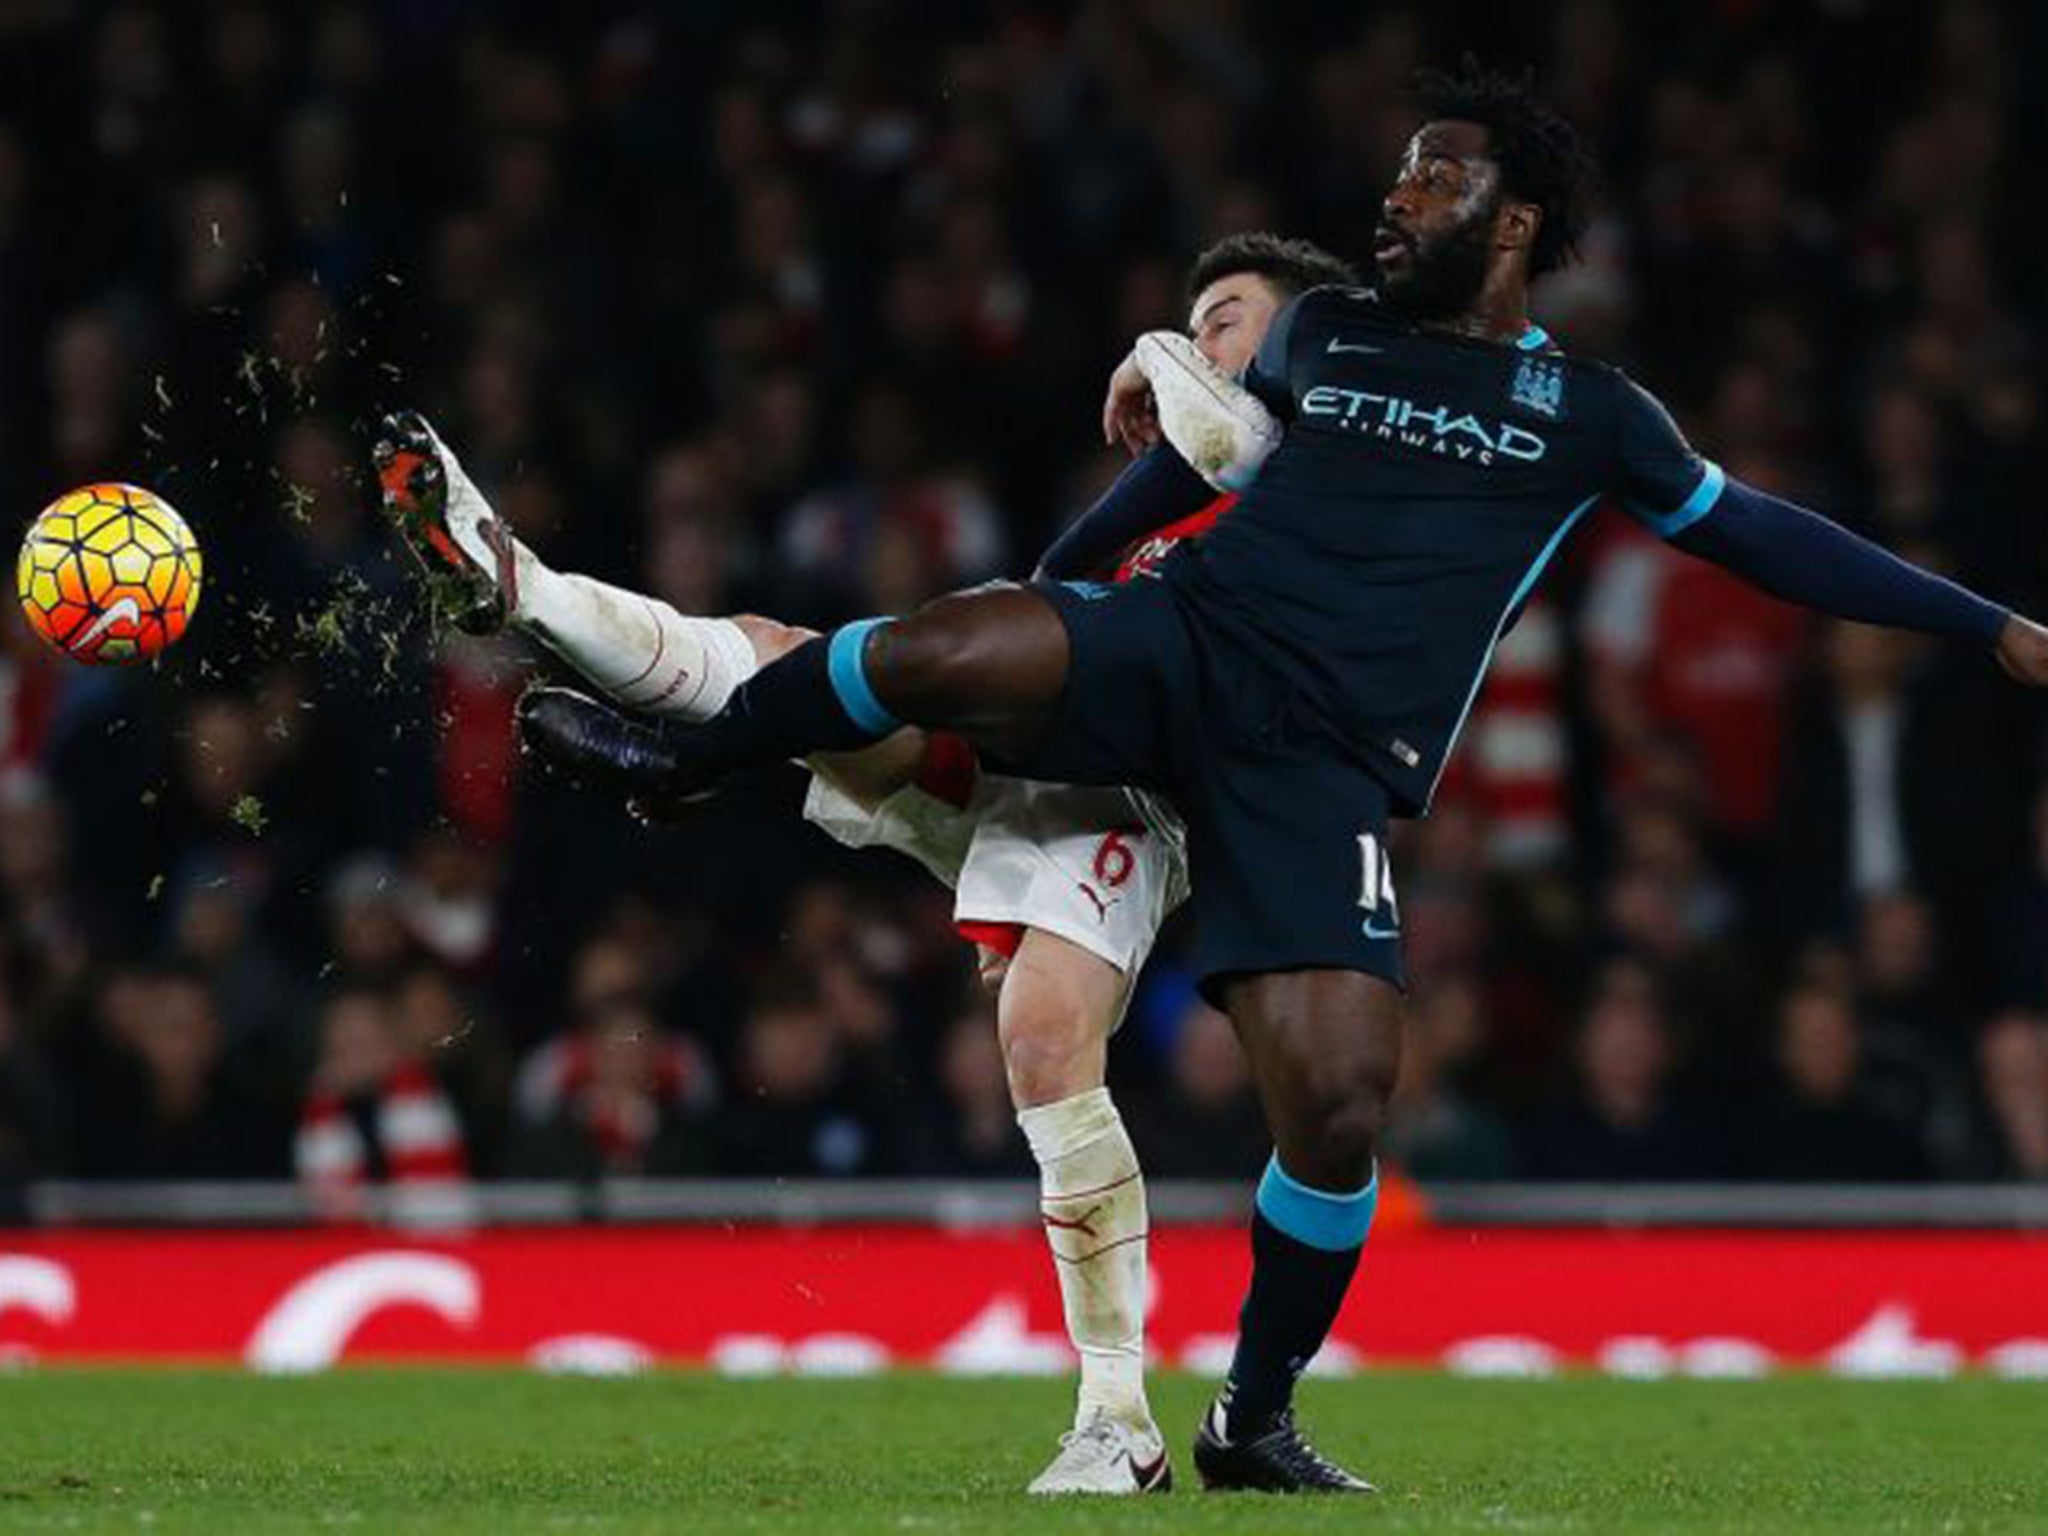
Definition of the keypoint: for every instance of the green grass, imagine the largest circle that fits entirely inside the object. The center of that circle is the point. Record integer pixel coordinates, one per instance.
(489, 1451)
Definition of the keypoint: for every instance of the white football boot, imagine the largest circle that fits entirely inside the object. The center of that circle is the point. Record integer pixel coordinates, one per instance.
(1106, 1455)
(461, 545)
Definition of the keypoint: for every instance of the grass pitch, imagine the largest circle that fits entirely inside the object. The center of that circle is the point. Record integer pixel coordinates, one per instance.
(491, 1451)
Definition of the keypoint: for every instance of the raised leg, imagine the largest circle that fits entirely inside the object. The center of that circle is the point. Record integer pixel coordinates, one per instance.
(989, 664)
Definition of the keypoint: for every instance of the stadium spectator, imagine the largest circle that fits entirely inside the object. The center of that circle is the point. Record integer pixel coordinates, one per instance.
(46, 912)
(859, 959)
(474, 687)
(448, 900)
(1868, 806)
(1439, 1128)
(1918, 1032)
(174, 1104)
(975, 1133)
(1624, 1119)
(1443, 903)
(214, 928)
(1516, 758)
(610, 968)
(1900, 981)
(618, 1097)
(1817, 1123)
(1678, 648)
(375, 1120)
(2023, 919)
(32, 1110)
(1205, 1123)
(29, 684)
(92, 378)
(1667, 901)
(899, 530)
(695, 558)
(367, 934)
(436, 1021)
(2015, 1068)
(795, 1107)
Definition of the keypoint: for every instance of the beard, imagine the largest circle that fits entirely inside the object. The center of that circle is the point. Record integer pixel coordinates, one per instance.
(1444, 274)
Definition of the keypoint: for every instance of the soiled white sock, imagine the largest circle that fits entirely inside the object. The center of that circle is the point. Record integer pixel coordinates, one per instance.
(1092, 1198)
(635, 648)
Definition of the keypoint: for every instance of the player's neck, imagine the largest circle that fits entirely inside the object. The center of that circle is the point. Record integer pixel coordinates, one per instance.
(1499, 314)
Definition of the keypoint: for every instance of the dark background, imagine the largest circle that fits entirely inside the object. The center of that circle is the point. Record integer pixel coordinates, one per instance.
(807, 309)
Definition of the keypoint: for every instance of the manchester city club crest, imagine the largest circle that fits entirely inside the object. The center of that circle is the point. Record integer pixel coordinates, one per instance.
(1539, 386)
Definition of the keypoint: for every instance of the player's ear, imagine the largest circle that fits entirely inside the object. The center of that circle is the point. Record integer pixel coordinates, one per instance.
(1517, 226)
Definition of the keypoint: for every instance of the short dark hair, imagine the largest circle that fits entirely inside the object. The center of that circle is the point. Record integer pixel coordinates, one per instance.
(1541, 157)
(1292, 266)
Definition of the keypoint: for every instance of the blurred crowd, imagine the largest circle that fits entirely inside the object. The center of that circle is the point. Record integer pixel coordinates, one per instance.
(806, 309)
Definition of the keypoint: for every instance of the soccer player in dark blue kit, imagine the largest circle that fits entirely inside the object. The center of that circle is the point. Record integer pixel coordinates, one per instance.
(1411, 459)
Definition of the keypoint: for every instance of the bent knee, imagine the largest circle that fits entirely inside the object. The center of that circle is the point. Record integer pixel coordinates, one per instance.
(1351, 1132)
(1052, 1054)
(1328, 1128)
(1333, 1143)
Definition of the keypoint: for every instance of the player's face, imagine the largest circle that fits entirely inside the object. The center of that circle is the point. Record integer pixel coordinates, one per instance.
(1229, 319)
(1435, 235)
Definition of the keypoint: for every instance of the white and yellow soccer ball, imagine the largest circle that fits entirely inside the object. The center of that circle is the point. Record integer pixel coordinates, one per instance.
(109, 573)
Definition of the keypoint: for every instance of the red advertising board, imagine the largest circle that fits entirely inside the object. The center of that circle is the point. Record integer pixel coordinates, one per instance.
(859, 1298)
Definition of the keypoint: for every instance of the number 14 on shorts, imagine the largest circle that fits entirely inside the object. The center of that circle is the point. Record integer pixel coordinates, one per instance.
(1382, 910)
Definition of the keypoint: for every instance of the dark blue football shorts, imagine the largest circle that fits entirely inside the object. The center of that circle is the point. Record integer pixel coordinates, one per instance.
(1287, 830)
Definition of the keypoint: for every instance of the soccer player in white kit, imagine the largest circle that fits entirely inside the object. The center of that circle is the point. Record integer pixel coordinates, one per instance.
(1062, 888)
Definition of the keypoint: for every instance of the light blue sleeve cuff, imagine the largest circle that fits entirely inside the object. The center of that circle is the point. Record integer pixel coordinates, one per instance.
(1705, 496)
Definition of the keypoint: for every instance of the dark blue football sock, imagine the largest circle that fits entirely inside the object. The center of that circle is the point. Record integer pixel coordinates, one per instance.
(815, 699)
(1305, 1249)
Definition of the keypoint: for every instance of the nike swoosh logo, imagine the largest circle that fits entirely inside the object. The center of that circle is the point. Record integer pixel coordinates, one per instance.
(1351, 346)
(1147, 1473)
(1374, 931)
(127, 609)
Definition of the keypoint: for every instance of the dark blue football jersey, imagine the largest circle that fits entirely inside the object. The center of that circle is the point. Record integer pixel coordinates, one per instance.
(1425, 483)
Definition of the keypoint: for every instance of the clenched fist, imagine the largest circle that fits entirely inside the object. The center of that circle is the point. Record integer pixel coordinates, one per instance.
(2023, 651)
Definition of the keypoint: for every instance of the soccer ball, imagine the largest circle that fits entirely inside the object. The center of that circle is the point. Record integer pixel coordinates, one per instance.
(109, 573)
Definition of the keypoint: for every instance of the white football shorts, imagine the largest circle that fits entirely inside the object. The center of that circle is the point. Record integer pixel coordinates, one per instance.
(1101, 868)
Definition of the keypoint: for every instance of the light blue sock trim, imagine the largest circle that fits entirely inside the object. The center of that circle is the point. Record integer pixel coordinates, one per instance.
(846, 666)
(1335, 1223)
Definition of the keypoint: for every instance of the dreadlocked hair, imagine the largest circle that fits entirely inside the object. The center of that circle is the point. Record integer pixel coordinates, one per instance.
(1542, 160)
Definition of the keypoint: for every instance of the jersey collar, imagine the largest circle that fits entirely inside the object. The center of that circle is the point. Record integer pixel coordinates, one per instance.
(1534, 339)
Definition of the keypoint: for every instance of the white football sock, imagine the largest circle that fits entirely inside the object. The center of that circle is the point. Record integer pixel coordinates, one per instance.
(636, 648)
(1093, 1200)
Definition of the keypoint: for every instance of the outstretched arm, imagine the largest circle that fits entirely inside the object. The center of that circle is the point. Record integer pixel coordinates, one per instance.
(1154, 490)
(1795, 554)
(1804, 558)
